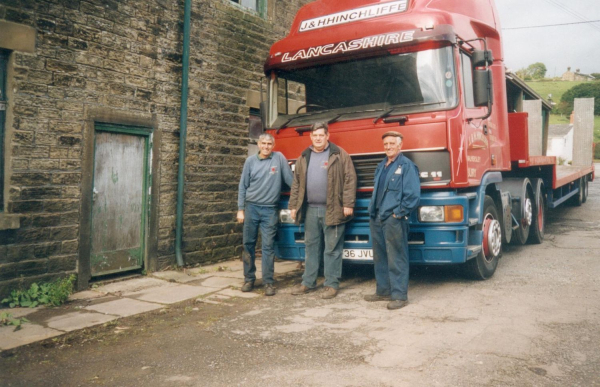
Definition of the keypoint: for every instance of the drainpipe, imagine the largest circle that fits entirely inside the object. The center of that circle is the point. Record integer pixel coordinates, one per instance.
(182, 130)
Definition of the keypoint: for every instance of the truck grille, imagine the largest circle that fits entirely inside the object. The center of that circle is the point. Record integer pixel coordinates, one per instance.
(365, 169)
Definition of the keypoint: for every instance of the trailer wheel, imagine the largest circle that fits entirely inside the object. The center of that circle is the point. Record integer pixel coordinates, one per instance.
(484, 265)
(521, 234)
(538, 227)
(585, 189)
(581, 197)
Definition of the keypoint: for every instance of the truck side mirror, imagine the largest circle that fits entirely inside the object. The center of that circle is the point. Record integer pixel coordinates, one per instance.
(482, 58)
(482, 88)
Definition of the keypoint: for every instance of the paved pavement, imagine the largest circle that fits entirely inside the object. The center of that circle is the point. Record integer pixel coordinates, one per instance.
(216, 283)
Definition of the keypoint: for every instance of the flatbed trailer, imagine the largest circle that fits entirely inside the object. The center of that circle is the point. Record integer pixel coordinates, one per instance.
(434, 71)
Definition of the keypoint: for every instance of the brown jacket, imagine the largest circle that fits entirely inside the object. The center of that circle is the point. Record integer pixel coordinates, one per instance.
(341, 186)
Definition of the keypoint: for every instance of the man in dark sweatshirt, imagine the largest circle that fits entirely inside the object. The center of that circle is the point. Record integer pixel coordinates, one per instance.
(258, 198)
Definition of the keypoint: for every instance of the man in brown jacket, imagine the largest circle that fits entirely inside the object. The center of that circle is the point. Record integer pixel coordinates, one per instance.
(322, 197)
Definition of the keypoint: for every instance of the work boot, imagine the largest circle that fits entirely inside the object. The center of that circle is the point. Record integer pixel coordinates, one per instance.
(270, 290)
(300, 289)
(329, 293)
(377, 297)
(397, 304)
(248, 286)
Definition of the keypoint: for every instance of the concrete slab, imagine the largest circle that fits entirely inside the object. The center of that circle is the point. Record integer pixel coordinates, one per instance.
(78, 320)
(175, 276)
(237, 293)
(233, 265)
(21, 312)
(85, 295)
(29, 333)
(286, 267)
(229, 274)
(222, 282)
(133, 285)
(124, 307)
(170, 294)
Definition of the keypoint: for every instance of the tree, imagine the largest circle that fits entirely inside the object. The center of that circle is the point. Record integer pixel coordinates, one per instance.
(537, 70)
(523, 74)
(583, 90)
(532, 72)
(596, 75)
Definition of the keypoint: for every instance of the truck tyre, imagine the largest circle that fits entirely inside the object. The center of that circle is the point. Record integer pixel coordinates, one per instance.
(579, 199)
(521, 234)
(585, 189)
(538, 225)
(484, 265)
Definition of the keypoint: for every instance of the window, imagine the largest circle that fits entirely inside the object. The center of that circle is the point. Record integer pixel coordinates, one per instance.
(467, 78)
(404, 83)
(255, 5)
(255, 128)
(3, 104)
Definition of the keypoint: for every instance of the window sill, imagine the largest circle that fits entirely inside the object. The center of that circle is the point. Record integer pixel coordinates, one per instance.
(9, 221)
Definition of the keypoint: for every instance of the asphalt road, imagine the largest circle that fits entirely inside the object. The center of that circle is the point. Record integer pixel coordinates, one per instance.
(535, 323)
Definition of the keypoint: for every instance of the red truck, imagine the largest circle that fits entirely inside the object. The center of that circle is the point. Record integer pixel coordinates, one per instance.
(432, 70)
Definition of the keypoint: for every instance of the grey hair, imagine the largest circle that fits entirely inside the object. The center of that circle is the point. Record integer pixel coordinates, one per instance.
(266, 136)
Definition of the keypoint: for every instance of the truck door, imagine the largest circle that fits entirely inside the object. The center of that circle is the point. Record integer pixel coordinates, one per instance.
(476, 131)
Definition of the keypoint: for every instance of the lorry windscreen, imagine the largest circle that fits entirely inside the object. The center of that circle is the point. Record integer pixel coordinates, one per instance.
(399, 84)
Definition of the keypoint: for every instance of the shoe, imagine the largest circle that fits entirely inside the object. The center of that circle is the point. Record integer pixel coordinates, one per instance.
(329, 293)
(300, 289)
(270, 290)
(248, 286)
(397, 304)
(377, 297)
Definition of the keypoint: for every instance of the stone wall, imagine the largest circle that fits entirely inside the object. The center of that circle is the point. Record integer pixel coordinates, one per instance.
(123, 59)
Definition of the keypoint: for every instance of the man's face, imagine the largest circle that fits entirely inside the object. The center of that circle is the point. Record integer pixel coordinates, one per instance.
(265, 148)
(392, 146)
(319, 139)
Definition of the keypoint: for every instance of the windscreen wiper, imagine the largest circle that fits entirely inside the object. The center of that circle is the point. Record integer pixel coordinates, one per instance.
(391, 110)
(334, 119)
(285, 124)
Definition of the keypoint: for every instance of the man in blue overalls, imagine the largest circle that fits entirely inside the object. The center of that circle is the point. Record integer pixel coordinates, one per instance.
(395, 196)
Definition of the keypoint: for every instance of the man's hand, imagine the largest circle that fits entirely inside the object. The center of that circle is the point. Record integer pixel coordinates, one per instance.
(348, 211)
(240, 216)
(293, 214)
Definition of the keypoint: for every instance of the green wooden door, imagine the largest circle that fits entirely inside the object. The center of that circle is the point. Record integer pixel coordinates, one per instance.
(119, 199)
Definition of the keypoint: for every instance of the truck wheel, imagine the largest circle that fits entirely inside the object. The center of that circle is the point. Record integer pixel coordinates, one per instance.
(578, 199)
(521, 234)
(538, 226)
(585, 189)
(484, 265)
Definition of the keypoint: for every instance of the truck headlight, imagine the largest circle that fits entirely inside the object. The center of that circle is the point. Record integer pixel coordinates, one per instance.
(285, 216)
(431, 214)
(447, 214)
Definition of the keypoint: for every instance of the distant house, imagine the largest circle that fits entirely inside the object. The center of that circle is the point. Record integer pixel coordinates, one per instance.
(576, 76)
(560, 142)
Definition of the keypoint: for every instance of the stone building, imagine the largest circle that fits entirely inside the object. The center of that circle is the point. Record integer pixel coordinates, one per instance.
(90, 105)
(576, 76)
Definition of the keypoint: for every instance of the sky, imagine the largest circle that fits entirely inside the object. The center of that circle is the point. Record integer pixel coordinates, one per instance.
(576, 46)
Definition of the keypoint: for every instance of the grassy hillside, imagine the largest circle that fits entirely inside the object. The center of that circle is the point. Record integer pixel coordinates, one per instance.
(556, 88)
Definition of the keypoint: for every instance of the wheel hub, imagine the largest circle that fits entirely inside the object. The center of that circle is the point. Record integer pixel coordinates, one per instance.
(528, 213)
(492, 238)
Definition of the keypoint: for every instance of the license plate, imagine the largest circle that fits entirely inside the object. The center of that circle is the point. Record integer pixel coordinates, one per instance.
(358, 254)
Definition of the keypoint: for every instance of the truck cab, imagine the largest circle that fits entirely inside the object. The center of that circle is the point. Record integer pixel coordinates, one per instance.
(432, 70)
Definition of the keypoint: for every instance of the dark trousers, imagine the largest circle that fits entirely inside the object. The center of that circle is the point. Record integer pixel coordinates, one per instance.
(264, 218)
(390, 256)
